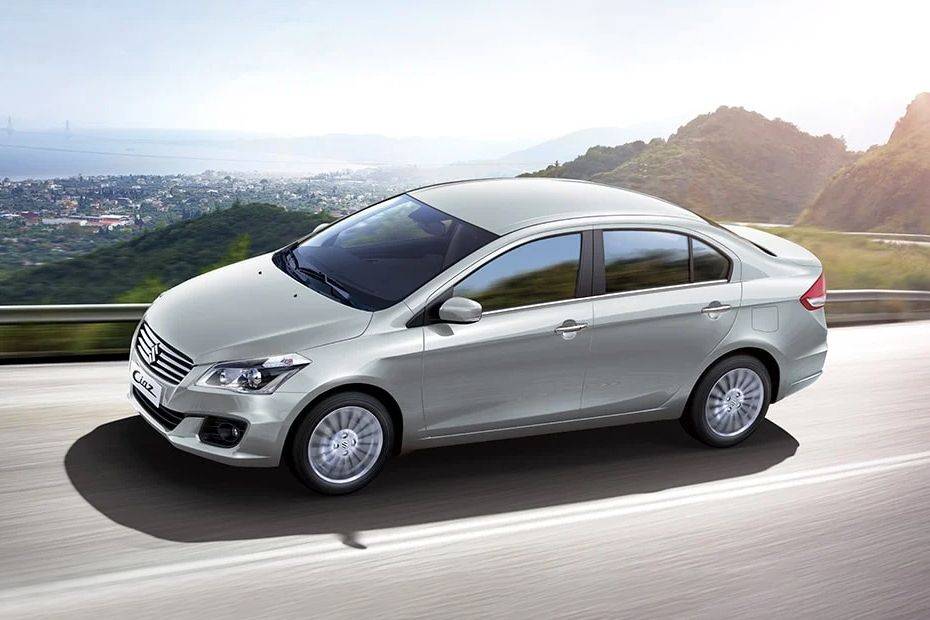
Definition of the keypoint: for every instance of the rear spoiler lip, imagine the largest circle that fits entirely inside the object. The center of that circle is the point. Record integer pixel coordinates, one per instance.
(774, 246)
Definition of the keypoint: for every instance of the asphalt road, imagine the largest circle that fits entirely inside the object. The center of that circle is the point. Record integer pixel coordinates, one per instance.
(824, 512)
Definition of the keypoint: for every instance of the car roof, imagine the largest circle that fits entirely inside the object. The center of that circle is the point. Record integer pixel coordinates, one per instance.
(502, 206)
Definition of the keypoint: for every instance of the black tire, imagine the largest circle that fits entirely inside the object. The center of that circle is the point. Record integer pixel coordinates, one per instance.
(694, 419)
(300, 459)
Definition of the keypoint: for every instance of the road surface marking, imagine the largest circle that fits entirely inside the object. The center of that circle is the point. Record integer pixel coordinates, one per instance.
(445, 533)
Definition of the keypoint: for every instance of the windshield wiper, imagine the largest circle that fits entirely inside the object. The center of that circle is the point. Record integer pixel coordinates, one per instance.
(293, 267)
(334, 285)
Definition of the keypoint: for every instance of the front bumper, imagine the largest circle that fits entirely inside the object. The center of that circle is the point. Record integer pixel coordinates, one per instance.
(268, 417)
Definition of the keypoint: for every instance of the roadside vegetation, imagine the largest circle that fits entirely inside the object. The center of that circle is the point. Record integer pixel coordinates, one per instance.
(859, 261)
(173, 254)
(137, 271)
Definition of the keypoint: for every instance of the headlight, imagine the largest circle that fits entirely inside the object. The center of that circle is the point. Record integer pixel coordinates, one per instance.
(259, 376)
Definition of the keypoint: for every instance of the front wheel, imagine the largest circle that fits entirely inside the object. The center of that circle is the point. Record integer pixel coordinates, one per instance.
(342, 443)
(729, 402)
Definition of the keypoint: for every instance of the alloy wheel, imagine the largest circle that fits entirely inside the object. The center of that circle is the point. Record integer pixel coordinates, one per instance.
(734, 402)
(345, 444)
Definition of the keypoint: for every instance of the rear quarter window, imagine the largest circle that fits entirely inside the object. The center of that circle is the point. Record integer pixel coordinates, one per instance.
(709, 264)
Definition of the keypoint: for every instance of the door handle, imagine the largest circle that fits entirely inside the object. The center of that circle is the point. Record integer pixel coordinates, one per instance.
(715, 308)
(570, 327)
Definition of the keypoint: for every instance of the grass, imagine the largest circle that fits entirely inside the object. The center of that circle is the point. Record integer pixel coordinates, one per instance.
(855, 262)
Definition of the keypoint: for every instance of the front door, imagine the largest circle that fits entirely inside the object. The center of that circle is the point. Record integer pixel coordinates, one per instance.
(523, 362)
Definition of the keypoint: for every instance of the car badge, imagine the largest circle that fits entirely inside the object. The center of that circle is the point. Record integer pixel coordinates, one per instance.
(151, 356)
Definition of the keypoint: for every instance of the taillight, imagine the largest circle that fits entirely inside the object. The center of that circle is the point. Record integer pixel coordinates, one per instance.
(816, 295)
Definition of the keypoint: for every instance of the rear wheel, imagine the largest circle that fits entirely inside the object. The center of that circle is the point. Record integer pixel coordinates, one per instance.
(342, 443)
(729, 402)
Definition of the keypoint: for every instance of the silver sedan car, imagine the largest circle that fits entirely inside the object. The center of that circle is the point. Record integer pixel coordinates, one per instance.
(475, 311)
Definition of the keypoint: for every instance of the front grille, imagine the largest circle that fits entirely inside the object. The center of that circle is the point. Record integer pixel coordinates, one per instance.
(169, 364)
(166, 417)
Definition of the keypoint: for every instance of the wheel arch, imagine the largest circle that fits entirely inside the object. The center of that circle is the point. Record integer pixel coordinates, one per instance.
(765, 357)
(385, 397)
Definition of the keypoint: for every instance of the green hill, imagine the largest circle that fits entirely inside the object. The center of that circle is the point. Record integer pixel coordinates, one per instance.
(596, 160)
(888, 188)
(137, 270)
(731, 164)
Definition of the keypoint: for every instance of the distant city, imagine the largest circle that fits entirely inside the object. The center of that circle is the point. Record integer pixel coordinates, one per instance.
(65, 192)
(48, 220)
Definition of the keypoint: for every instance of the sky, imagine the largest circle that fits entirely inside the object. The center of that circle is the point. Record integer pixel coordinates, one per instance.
(483, 70)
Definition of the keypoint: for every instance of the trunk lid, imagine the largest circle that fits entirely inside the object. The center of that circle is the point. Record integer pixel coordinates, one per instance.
(775, 246)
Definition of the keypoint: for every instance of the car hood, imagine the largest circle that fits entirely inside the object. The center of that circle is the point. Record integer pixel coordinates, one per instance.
(250, 309)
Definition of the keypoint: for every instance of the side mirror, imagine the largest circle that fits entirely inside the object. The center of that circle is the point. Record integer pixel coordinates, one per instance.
(460, 310)
(320, 227)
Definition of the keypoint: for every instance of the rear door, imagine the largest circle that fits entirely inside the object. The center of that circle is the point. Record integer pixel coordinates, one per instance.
(523, 362)
(663, 302)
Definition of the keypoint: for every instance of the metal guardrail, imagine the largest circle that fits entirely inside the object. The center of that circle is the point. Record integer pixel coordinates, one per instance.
(75, 313)
(128, 313)
(875, 294)
(839, 314)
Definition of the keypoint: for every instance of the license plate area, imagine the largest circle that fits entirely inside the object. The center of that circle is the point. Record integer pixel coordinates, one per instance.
(145, 384)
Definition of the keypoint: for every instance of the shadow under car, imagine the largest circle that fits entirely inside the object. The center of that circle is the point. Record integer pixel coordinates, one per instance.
(136, 478)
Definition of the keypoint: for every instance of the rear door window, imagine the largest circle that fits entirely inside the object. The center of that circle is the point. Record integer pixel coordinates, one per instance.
(641, 259)
(635, 260)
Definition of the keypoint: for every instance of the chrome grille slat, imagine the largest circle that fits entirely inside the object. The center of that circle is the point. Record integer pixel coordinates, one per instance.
(143, 333)
(152, 336)
(177, 366)
(171, 364)
(165, 359)
(167, 353)
(171, 354)
(165, 373)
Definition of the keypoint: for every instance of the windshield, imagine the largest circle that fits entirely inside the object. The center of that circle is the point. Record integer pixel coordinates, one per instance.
(375, 258)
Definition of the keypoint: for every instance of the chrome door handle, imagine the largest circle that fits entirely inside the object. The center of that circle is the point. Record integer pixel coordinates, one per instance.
(715, 308)
(570, 328)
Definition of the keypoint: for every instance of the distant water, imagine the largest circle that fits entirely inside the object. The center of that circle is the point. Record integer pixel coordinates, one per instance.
(60, 154)
(45, 156)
